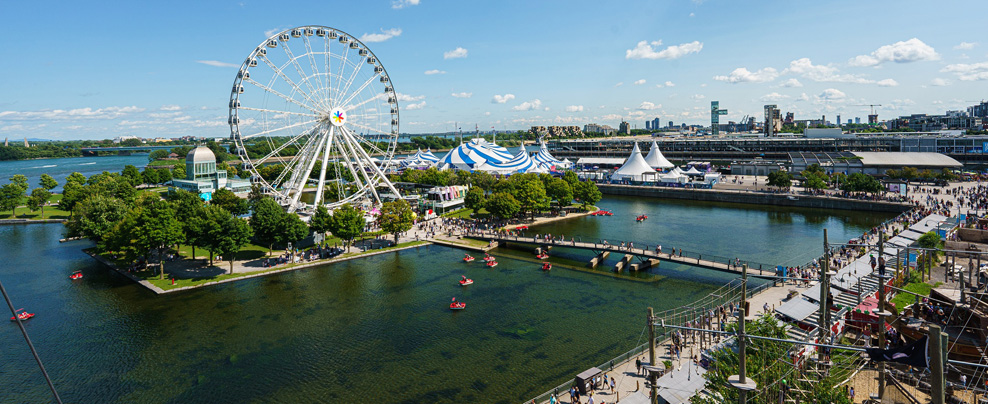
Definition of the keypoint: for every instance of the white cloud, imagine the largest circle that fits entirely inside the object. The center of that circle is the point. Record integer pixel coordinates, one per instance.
(399, 4)
(940, 82)
(528, 105)
(415, 106)
(410, 98)
(742, 75)
(774, 97)
(488, 113)
(887, 83)
(501, 99)
(434, 71)
(968, 72)
(803, 97)
(574, 108)
(937, 102)
(639, 82)
(698, 97)
(381, 37)
(75, 114)
(612, 117)
(966, 45)
(647, 106)
(455, 53)
(170, 108)
(619, 84)
(912, 50)
(462, 95)
(272, 31)
(216, 63)
(670, 84)
(832, 94)
(806, 68)
(792, 83)
(645, 50)
(692, 15)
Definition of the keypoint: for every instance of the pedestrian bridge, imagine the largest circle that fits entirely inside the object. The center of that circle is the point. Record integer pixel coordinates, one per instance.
(644, 253)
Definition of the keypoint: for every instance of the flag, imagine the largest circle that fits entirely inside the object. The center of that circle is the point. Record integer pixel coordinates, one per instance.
(913, 354)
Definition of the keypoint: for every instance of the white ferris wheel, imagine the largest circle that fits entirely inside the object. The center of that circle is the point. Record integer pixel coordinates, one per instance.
(315, 119)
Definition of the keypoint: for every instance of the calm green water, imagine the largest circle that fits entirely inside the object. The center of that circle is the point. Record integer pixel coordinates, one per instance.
(372, 330)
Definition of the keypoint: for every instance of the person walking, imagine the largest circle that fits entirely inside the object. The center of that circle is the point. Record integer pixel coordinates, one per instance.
(638, 365)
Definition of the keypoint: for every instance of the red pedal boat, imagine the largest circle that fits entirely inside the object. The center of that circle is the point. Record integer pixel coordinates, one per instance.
(546, 266)
(465, 281)
(642, 217)
(455, 305)
(22, 315)
(76, 275)
(468, 259)
(492, 263)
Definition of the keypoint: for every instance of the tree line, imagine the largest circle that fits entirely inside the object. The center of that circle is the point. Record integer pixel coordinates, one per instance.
(13, 193)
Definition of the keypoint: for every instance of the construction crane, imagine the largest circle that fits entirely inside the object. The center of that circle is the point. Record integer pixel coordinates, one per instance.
(868, 105)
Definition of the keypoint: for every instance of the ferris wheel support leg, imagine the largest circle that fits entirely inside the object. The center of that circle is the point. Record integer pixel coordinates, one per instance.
(384, 178)
(304, 177)
(322, 170)
(358, 152)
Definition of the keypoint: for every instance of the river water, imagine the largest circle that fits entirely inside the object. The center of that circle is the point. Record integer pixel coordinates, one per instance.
(375, 329)
(61, 168)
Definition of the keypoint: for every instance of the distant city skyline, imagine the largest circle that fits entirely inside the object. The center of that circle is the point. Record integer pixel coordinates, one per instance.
(97, 71)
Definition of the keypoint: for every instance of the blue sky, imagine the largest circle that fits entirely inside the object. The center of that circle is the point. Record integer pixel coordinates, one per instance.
(99, 70)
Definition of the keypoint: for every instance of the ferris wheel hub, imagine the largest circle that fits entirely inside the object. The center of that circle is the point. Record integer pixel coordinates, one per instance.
(337, 117)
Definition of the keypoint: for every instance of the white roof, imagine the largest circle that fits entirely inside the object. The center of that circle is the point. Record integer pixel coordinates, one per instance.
(635, 166)
(912, 159)
(613, 161)
(655, 159)
(693, 171)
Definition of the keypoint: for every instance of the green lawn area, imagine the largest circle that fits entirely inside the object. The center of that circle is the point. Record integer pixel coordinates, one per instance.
(903, 299)
(465, 213)
(248, 252)
(51, 212)
(166, 284)
(470, 242)
(159, 163)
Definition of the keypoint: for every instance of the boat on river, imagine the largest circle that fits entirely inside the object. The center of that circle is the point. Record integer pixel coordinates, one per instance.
(641, 217)
(468, 258)
(22, 315)
(76, 275)
(465, 282)
(455, 305)
(491, 263)
(546, 266)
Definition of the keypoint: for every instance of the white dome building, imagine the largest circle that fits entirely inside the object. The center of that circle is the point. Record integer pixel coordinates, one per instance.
(202, 177)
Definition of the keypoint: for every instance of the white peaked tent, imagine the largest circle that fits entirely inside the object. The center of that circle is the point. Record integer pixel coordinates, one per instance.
(428, 156)
(655, 159)
(693, 172)
(633, 167)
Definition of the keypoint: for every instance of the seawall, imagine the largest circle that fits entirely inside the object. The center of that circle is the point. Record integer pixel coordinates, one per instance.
(757, 198)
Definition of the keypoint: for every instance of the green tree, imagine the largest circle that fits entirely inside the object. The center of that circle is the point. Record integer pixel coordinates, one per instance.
(164, 175)
(178, 172)
(229, 235)
(157, 155)
(47, 182)
(76, 178)
(908, 173)
(931, 240)
(531, 195)
(156, 228)
(130, 172)
(503, 205)
(814, 179)
(293, 229)
(860, 182)
(560, 191)
(347, 224)
(588, 193)
(475, 199)
(320, 222)
(131, 143)
(571, 178)
(10, 197)
(226, 199)
(95, 217)
(781, 179)
(20, 180)
(150, 176)
(396, 217)
(266, 222)
(254, 196)
(72, 194)
(191, 210)
(39, 197)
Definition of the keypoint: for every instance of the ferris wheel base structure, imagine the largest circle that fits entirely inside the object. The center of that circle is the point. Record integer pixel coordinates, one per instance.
(308, 108)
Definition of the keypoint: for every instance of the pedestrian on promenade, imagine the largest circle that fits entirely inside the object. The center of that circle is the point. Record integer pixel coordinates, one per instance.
(638, 365)
(614, 384)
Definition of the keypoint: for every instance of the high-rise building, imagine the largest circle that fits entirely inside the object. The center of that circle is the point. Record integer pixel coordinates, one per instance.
(715, 113)
(848, 121)
(838, 119)
(624, 128)
(671, 125)
(790, 117)
(873, 119)
(648, 125)
(773, 120)
(980, 110)
(656, 124)
(857, 120)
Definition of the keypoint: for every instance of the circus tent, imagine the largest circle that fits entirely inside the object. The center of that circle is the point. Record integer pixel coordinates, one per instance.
(521, 163)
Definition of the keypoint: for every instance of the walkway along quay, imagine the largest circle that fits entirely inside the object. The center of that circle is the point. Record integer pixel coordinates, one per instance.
(757, 198)
(646, 257)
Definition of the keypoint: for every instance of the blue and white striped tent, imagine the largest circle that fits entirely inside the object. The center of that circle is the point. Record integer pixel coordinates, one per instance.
(413, 160)
(521, 163)
(466, 156)
(546, 161)
(427, 155)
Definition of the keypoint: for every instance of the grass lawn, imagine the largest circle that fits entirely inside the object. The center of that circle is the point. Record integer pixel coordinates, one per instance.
(166, 284)
(903, 299)
(470, 242)
(465, 214)
(248, 252)
(170, 163)
(51, 212)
